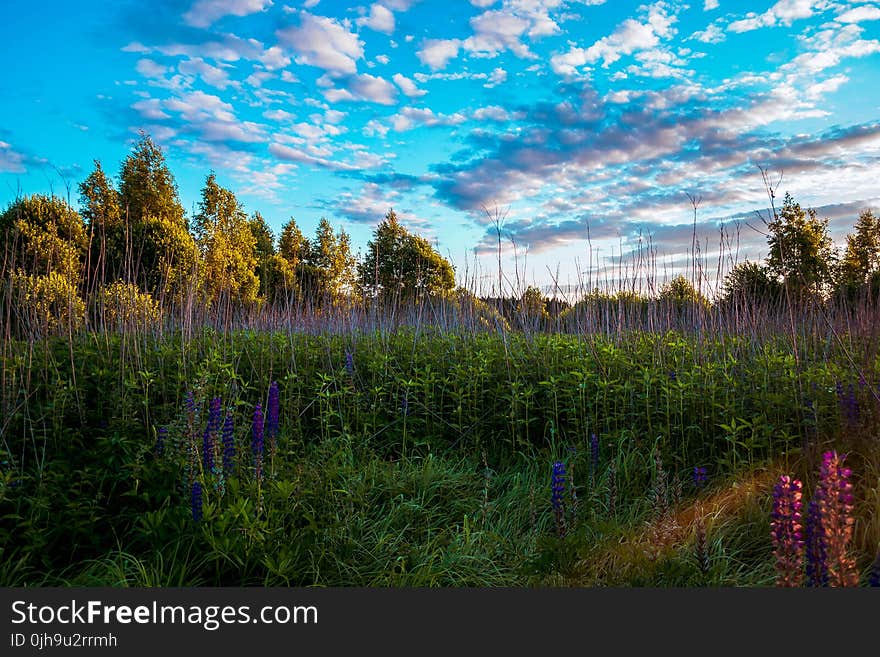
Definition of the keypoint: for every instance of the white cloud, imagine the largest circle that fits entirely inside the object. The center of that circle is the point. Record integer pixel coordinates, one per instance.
(712, 34)
(859, 14)
(205, 12)
(709, 5)
(496, 77)
(784, 12)
(819, 89)
(399, 5)
(212, 118)
(274, 58)
(374, 127)
(150, 68)
(495, 113)
(364, 87)
(135, 46)
(436, 53)
(278, 115)
(10, 160)
(407, 86)
(380, 19)
(495, 31)
(629, 37)
(150, 108)
(324, 42)
(410, 118)
(212, 75)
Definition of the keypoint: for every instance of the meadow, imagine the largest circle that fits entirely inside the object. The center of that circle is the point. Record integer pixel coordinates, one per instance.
(618, 446)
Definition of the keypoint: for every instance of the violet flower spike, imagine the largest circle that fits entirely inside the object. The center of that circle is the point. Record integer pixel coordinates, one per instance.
(785, 531)
(272, 416)
(557, 497)
(229, 445)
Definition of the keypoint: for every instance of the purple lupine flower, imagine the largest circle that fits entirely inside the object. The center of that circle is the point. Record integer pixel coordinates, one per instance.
(229, 445)
(699, 476)
(594, 455)
(196, 501)
(834, 501)
(404, 405)
(557, 497)
(257, 441)
(272, 414)
(349, 364)
(161, 438)
(814, 542)
(207, 451)
(785, 531)
(209, 437)
(190, 403)
(214, 413)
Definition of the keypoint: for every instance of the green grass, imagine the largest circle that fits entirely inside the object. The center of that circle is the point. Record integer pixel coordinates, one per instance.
(454, 492)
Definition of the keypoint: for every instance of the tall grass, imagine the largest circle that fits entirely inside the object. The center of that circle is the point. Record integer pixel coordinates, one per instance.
(416, 441)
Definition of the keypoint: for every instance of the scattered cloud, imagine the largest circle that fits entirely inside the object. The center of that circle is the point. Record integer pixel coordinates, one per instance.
(380, 19)
(205, 12)
(323, 42)
(407, 86)
(630, 36)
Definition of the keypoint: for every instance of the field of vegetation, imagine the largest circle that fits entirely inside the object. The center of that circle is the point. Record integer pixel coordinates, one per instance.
(268, 415)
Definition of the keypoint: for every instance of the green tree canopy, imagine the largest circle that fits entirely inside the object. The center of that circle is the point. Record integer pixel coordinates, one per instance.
(99, 205)
(750, 282)
(291, 271)
(801, 252)
(331, 263)
(44, 235)
(293, 245)
(861, 259)
(264, 251)
(44, 240)
(401, 265)
(532, 304)
(227, 245)
(162, 253)
(680, 291)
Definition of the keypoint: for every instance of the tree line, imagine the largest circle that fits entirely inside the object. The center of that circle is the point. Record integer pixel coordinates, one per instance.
(130, 251)
(131, 248)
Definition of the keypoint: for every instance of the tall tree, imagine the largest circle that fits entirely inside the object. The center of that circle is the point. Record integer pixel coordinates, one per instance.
(44, 241)
(401, 265)
(227, 245)
(861, 259)
(264, 251)
(292, 275)
(750, 283)
(293, 245)
(99, 205)
(161, 253)
(801, 252)
(680, 291)
(332, 263)
(44, 235)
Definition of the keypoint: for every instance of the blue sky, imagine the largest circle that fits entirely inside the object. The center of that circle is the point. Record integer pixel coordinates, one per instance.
(584, 123)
